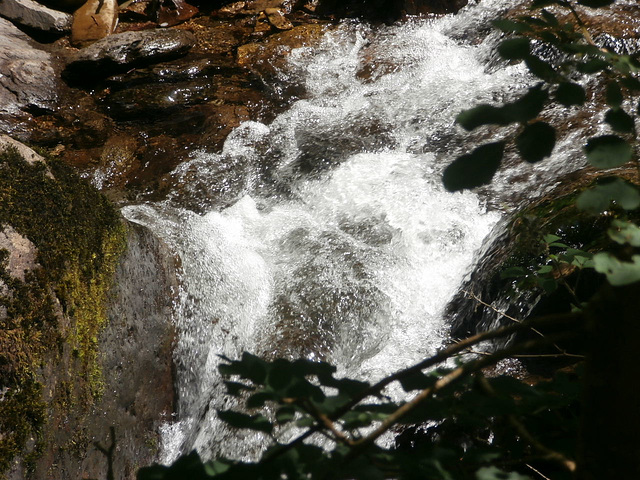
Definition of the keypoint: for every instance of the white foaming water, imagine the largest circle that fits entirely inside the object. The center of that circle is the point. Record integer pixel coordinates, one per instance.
(356, 262)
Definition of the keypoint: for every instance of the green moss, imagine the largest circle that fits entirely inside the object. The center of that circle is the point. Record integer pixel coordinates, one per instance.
(79, 237)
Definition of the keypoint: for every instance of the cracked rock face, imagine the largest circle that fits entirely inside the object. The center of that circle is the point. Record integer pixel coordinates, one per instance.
(29, 78)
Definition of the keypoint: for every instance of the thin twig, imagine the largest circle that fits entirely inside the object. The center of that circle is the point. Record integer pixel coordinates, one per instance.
(537, 471)
(509, 317)
(568, 320)
(446, 380)
(326, 421)
(581, 24)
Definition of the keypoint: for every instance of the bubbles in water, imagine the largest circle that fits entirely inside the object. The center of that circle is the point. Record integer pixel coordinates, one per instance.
(336, 240)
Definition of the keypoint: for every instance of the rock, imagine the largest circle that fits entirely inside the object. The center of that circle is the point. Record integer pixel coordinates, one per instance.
(251, 7)
(25, 152)
(123, 51)
(172, 12)
(34, 15)
(61, 389)
(267, 57)
(96, 19)
(277, 19)
(22, 254)
(29, 80)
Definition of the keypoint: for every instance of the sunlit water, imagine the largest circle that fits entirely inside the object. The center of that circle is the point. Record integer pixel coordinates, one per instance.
(348, 248)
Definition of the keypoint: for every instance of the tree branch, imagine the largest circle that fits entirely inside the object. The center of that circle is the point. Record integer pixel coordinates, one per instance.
(450, 378)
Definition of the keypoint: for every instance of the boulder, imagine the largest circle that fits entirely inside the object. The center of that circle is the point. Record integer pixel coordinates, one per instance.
(85, 334)
(94, 20)
(34, 15)
(123, 51)
(29, 80)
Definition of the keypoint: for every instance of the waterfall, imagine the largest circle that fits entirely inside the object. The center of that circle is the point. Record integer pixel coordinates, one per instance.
(339, 242)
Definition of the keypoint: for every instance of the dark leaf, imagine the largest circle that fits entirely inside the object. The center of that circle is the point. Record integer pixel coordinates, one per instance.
(543, 3)
(258, 400)
(494, 473)
(482, 115)
(620, 121)
(550, 18)
(509, 26)
(631, 83)
(514, 48)
(250, 367)
(474, 169)
(187, 466)
(608, 151)
(593, 65)
(536, 141)
(549, 285)
(285, 414)
(598, 199)
(582, 48)
(417, 381)
(614, 95)
(513, 272)
(528, 107)
(595, 3)
(280, 374)
(235, 388)
(570, 94)
(541, 69)
(241, 420)
(618, 272)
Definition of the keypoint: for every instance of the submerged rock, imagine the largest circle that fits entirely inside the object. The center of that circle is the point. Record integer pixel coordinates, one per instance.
(34, 15)
(122, 51)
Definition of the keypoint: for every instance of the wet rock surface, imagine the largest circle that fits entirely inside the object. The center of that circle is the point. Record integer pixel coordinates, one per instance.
(34, 15)
(30, 81)
(127, 111)
(123, 51)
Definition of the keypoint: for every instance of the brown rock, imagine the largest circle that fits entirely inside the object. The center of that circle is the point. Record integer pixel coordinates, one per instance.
(35, 15)
(96, 19)
(266, 57)
(277, 19)
(173, 12)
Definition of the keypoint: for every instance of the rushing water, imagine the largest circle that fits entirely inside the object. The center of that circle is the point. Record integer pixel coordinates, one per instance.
(342, 243)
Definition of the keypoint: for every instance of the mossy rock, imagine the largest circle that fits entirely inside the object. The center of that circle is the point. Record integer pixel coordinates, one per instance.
(51, 313)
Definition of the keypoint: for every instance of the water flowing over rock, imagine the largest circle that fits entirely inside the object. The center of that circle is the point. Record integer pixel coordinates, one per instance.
(34, 15)
(123, 51)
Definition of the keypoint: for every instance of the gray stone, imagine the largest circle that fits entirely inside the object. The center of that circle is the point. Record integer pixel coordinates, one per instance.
(123, 51)
(28, 76)
(34, 15)
(21, 259)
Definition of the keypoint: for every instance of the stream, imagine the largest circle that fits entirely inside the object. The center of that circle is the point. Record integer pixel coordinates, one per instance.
(342, 244)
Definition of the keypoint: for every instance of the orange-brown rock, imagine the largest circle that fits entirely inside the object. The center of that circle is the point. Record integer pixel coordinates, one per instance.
(96, 19)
